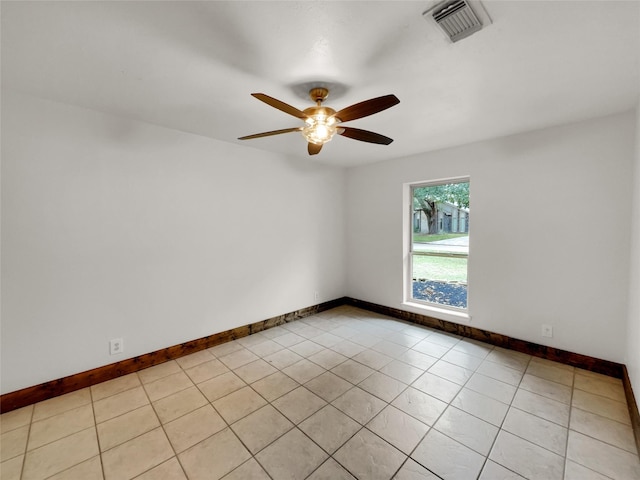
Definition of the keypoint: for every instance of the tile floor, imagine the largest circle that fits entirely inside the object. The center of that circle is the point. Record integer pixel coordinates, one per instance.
(344, 394)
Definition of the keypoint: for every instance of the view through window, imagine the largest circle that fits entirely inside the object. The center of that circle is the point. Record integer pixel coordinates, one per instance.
(440, 243)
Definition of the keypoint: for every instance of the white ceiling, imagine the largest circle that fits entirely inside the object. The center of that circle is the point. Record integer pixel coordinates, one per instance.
(191, 66)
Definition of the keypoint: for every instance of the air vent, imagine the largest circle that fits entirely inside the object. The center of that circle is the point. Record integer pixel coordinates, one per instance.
(457, 19)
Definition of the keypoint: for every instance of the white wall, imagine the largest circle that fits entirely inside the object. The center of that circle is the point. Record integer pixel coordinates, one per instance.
(116, 228)
(549, 226)
(633, 335)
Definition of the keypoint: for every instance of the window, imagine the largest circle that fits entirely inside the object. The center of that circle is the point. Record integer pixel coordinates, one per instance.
(439, 243)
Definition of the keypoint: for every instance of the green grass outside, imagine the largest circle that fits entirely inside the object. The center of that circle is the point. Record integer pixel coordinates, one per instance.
(440, 268)
(420, 238)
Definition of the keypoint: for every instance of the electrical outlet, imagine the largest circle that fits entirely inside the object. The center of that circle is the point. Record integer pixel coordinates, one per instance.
(547, 331)
(316, 296)
(116, 345)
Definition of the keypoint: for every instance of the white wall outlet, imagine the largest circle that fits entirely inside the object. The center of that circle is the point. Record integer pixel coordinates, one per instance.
(316, 296)
(547, 331)
(116, 345)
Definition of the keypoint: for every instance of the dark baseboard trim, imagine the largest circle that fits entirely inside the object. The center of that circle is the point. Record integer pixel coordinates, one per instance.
(37, 393)
(586, 362)
(633, 406)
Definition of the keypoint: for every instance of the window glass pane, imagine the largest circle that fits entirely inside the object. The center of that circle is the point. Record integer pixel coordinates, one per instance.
(440, 243)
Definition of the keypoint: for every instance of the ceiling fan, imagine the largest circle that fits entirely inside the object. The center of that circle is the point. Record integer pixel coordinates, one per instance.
(322, 123)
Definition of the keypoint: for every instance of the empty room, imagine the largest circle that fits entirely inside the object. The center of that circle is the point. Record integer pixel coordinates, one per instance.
(317, 240)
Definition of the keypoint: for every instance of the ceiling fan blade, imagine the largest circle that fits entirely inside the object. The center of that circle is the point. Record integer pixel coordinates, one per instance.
(268, 134)
(366, 108)
(284, 107)
(364, 135)
(313, 148)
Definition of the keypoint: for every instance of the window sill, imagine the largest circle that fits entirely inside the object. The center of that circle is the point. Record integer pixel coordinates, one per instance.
(436, 312)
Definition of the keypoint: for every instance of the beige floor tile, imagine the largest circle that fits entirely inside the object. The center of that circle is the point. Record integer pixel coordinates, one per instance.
(575, 471)
(609, 431)
(303, 371)
(509, 358)
(292, 456)
(60, 455)
(411, 470)
(16, 419)
(137, 456)
(462, 359)
(345, 331)
(12, 469)
(473, 347)
(402, 371)
(274, 386)
(329, 428)
(420, 405)
(239, 404)
(481, 406)
(331, 470)
(254, 371)
(437, 387)
(157, 372)
(527, 459)
(189, 361)
(553, 364)
(398, 428)
(59, 426)
(357, 454)
(169, 470)
(214, 457)
(274, 332)
(306, 348)
(167, 385)
(352, 371)
(359, 405)
(544, 407)
(283, 358)
(536, 430)
(604, 388)
(553, 373)
(289, 339)
(601, 457)
(492, 388)
(418, 359)
(299, 404)
(327, 358)
(194, 427)
(61, 404)
(221, 386)
(328, 386)
(125, 427)
(444, 339)
(451, 372)
(205, 371)
(470, 431)
(430, 348)
(601, 406)
(238, 358)
(390, 349)
(382, 386)
(13, 443)
(249, 470)
(260, 428)
(327, 339)
(265, 348)
(546, 388)
(251, 339)
(501, 372)
(88, 470)
(373, 359)
(348, 348)
(403, 339)
(174, 406)
(119, 404)
(117, 385)
(225, 349)
(493, 471)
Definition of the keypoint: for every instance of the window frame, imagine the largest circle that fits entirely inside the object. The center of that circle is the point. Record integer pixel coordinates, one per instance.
(445, 312)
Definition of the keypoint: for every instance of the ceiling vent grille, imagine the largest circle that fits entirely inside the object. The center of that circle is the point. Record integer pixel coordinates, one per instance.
(457, 19)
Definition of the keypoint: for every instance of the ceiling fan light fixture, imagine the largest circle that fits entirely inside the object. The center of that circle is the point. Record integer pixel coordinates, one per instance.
(319, 128)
